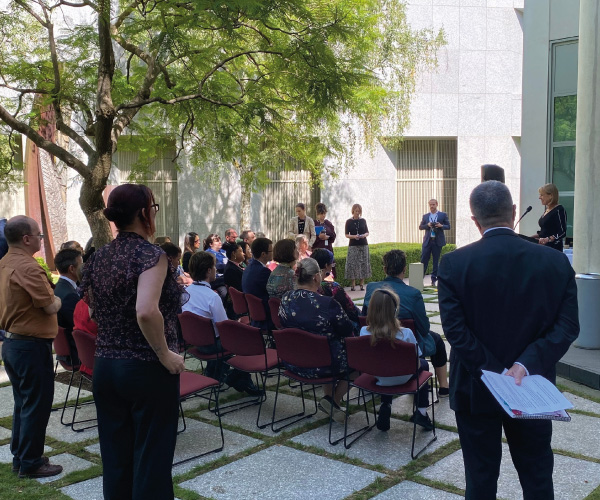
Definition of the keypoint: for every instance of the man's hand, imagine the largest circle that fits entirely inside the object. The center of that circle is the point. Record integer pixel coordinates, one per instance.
(518, 372)
(172, 362)
(438, 224)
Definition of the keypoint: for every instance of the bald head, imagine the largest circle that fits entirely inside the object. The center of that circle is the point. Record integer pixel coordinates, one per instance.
(23, 232)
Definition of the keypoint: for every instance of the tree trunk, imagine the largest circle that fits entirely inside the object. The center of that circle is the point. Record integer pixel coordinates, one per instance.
(91, 201)
(245, 207)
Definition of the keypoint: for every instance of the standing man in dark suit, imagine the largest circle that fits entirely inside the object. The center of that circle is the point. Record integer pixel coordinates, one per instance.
(68, 263)
(434, 224)
(506, 304)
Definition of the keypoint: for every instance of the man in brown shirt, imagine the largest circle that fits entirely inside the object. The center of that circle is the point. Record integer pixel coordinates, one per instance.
(28, 310)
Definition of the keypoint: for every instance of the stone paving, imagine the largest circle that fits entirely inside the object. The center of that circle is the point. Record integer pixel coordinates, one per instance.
(299, 462)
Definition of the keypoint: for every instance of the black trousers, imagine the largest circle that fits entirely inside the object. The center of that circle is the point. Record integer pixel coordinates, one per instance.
(426, 251)
(440, 358)
(422, 398)
(215, 368)
(138, 409)
(529, 444)
(29, 368)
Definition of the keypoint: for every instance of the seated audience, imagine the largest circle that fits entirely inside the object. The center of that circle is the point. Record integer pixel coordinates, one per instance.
(83, 322)
(305, 309)
(174, 255)
(412, 307)
(248, 236)
(247, 254)
(282, 277)
(302, 246)
(159, 240)
(212, 245)
(230, 239)
(256, 276)
(191, 244)
(333, 289)
(72, 244)
(205, 302)
(382, 326)
(233, 270)
(68, 262)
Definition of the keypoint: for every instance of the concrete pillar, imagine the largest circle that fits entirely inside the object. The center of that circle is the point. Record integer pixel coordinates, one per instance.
(586, 229)
(415, 275)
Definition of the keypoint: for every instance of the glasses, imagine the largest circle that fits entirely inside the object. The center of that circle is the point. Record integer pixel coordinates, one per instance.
(156, 207)
(39, 235)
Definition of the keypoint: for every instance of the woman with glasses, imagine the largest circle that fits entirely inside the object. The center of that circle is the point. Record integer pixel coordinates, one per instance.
(134, 297)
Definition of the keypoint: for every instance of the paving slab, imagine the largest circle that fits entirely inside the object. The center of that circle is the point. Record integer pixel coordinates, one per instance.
(6, 456)
(443, 413)
(583, 404)
(199, 437)
(429, 296)
(5, 433)
(93, 448)
(297, 472)
(70, 463)
(390, 449)
(64, 433)
(286, 405)
(415, 491)
(574, 479)
(60, 392)
(432, 307)
(436, 327)
(435, 319)
(85, 490)
(577, 436)
(3, 375)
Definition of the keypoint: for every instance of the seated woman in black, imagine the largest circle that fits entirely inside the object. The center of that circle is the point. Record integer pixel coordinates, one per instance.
(305, 309)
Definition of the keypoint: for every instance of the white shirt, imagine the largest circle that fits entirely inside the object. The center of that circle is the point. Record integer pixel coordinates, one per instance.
(205, 302)
(69, 280)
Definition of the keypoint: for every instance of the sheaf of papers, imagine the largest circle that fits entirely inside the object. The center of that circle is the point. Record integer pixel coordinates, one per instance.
(535, 395)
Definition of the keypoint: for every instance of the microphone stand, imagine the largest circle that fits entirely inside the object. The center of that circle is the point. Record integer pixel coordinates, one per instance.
(524, 214)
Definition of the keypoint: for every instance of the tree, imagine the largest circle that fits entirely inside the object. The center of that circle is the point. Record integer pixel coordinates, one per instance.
(244, 84)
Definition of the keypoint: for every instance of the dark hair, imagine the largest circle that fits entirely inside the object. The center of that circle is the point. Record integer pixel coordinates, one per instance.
(200, 263)
(231, 248)
(16, 228)
(171, 249)
(394, 262)
(210, 239)
(323, 257)
(160, 240)
(284, 251)
(246, 233)
(71, 244)
(260, 246)
(301, 205)
(126, 202)
(188, 241)
(66, 258)
(320, 208)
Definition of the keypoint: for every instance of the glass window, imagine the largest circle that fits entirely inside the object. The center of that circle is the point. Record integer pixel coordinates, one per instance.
(568, 202)
(565, 118)
(565, 68)
(563, 168)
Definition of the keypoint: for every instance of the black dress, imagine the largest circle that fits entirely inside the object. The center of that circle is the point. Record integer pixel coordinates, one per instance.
(554, 223)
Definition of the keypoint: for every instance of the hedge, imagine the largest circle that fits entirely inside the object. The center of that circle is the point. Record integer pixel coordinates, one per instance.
(376, 253)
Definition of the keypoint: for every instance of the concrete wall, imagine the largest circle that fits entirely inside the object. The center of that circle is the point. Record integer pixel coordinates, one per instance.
(544, 22)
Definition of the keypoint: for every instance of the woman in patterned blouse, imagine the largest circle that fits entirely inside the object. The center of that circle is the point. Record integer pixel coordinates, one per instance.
(305, 309)
(134, 298)
(282, 278)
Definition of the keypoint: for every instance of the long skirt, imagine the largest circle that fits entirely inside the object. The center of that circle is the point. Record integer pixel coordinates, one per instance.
(358, 263)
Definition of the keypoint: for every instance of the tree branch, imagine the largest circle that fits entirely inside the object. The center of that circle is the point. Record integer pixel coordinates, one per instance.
(52, 148)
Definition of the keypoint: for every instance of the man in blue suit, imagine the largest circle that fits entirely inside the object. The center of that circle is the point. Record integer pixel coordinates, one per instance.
(256, 275)
(434, 224)
(506, 304)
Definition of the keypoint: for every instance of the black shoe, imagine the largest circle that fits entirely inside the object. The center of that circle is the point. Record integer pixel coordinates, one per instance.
(443, 392)
(422, 420)
(433, 281)
(248, 387)
(46, 470)
(16, 468)
(383, 419)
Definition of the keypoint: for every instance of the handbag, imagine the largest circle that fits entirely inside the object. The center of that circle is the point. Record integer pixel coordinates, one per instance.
(426, 344)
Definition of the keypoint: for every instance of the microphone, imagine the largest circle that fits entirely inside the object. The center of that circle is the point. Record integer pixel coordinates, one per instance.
(529, 208)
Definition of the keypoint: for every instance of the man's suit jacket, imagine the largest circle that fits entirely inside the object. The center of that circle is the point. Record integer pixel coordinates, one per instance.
(69, 297)
(440, 237)
(254, 279)
(504, 300)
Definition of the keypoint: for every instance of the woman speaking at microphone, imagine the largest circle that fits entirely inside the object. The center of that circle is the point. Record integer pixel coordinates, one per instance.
(553, 223)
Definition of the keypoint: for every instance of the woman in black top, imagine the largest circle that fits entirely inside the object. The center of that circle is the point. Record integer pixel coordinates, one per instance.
(191, 244)
(358, 263)
(553, 223)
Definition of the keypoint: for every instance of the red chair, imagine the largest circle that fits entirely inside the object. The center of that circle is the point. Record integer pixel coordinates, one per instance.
(62, 349)
(410, 324)
(274, 304)
(86, 348)
(385, 360)
(199, 331)
(256, 308)
(240, 306)
(303, 350)
(194, 385)
(362, 321)
(251, 356)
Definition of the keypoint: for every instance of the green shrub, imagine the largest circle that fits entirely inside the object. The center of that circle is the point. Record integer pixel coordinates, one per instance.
(376, 253)
(45, 267)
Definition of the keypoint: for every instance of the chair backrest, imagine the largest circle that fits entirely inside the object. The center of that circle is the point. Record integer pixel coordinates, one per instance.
(196, 330)
(383, 359)
(274, 304)
(86, 347)
(61, 344)
(240, 339)
(256, 307)
(362, 321)
(302, 349)
(238, 300)
(409, 323)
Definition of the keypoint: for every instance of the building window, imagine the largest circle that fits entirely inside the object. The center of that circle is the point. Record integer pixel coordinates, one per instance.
(563, 120)
(426, 169)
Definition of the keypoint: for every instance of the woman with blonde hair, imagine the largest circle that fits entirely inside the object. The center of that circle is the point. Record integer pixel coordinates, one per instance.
(553, 222)
(302, 247)
(383, 326)
(358, 261)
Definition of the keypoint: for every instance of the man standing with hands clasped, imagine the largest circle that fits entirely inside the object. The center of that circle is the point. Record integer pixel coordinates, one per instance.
(499, 313)
(28, 310)
(434, 224)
